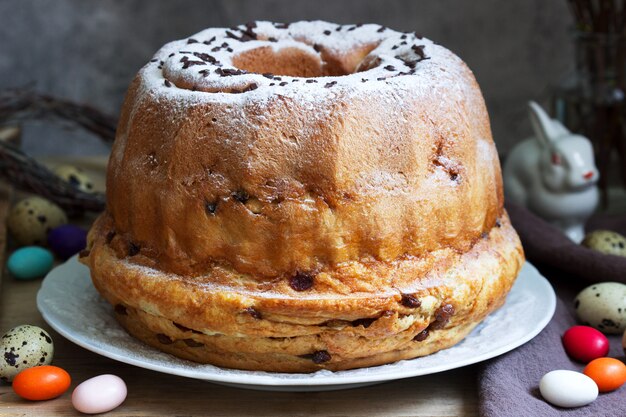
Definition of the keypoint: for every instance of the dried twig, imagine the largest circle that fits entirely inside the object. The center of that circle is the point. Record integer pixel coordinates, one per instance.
(18, 105)
(29, 175)
(23, 172)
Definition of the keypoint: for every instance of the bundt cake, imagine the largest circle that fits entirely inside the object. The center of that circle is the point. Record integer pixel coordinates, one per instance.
(305, 196)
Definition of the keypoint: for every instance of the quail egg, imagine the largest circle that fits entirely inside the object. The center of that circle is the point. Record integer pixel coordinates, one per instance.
(30, 220)
(603, 306)
(23, 347)
(605, 241)
(75, 176)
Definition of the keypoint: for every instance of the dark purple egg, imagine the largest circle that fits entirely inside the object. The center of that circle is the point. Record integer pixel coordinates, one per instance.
(67, 240)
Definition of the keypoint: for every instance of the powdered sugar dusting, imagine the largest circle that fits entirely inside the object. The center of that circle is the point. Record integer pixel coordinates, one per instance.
(204, 62)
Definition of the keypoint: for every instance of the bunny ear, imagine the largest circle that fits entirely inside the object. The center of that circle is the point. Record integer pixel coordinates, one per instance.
(546, 129)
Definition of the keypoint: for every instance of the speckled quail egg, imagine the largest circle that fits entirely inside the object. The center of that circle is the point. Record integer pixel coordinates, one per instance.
(75, 176)
(605, 241)
(23, 347)
(603, 306)
(31, 219)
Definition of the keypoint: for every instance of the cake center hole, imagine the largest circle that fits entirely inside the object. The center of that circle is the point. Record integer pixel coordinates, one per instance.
(297, 62)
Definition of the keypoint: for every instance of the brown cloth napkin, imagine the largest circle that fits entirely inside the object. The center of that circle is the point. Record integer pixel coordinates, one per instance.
(509, 384)
(547, 245)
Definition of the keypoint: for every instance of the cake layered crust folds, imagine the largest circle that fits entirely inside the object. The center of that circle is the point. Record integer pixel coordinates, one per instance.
(360, 313)
(301, 197)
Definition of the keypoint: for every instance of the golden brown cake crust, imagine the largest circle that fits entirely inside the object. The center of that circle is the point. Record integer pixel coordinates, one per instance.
(344, 211)
(292, 177)
(361, 314)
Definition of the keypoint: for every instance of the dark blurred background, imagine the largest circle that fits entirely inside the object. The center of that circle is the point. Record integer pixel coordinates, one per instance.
(89, 51)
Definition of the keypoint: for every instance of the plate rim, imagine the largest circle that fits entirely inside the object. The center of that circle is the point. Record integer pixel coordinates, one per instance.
(271, 379)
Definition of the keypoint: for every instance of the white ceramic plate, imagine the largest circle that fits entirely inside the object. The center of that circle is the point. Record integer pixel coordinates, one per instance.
(72, 306)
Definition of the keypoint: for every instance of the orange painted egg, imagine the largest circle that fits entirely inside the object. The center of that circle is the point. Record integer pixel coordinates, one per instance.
(608, 373)
(41, 383)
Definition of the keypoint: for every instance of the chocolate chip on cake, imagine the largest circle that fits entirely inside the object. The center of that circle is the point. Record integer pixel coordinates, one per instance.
(189, 63)
(301, 281)
(133, 249)
(210, 207)
(442, 316)
(318, 357)
(228, 72)
(321, 356)
(163, 338)
(253, 312)
(109, 237)
(241, 196)
(421, 335)
(410, 301)
(192, 343)
(419, 51)
(205, 57)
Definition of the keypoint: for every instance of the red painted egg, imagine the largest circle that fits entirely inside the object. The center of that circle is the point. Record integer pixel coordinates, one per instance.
(584, 343)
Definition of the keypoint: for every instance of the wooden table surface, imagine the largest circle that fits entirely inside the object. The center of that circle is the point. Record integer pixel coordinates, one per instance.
(451, 393)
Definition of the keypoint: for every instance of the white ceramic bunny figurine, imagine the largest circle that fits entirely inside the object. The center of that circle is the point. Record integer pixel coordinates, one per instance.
(553, 174)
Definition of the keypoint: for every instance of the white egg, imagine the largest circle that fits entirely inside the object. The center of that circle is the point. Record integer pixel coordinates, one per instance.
(603, 306)
(23, 347)
(568, 388)
(99, 394)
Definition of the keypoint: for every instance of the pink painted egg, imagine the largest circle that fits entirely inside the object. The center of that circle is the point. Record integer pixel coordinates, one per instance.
(99, 394)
